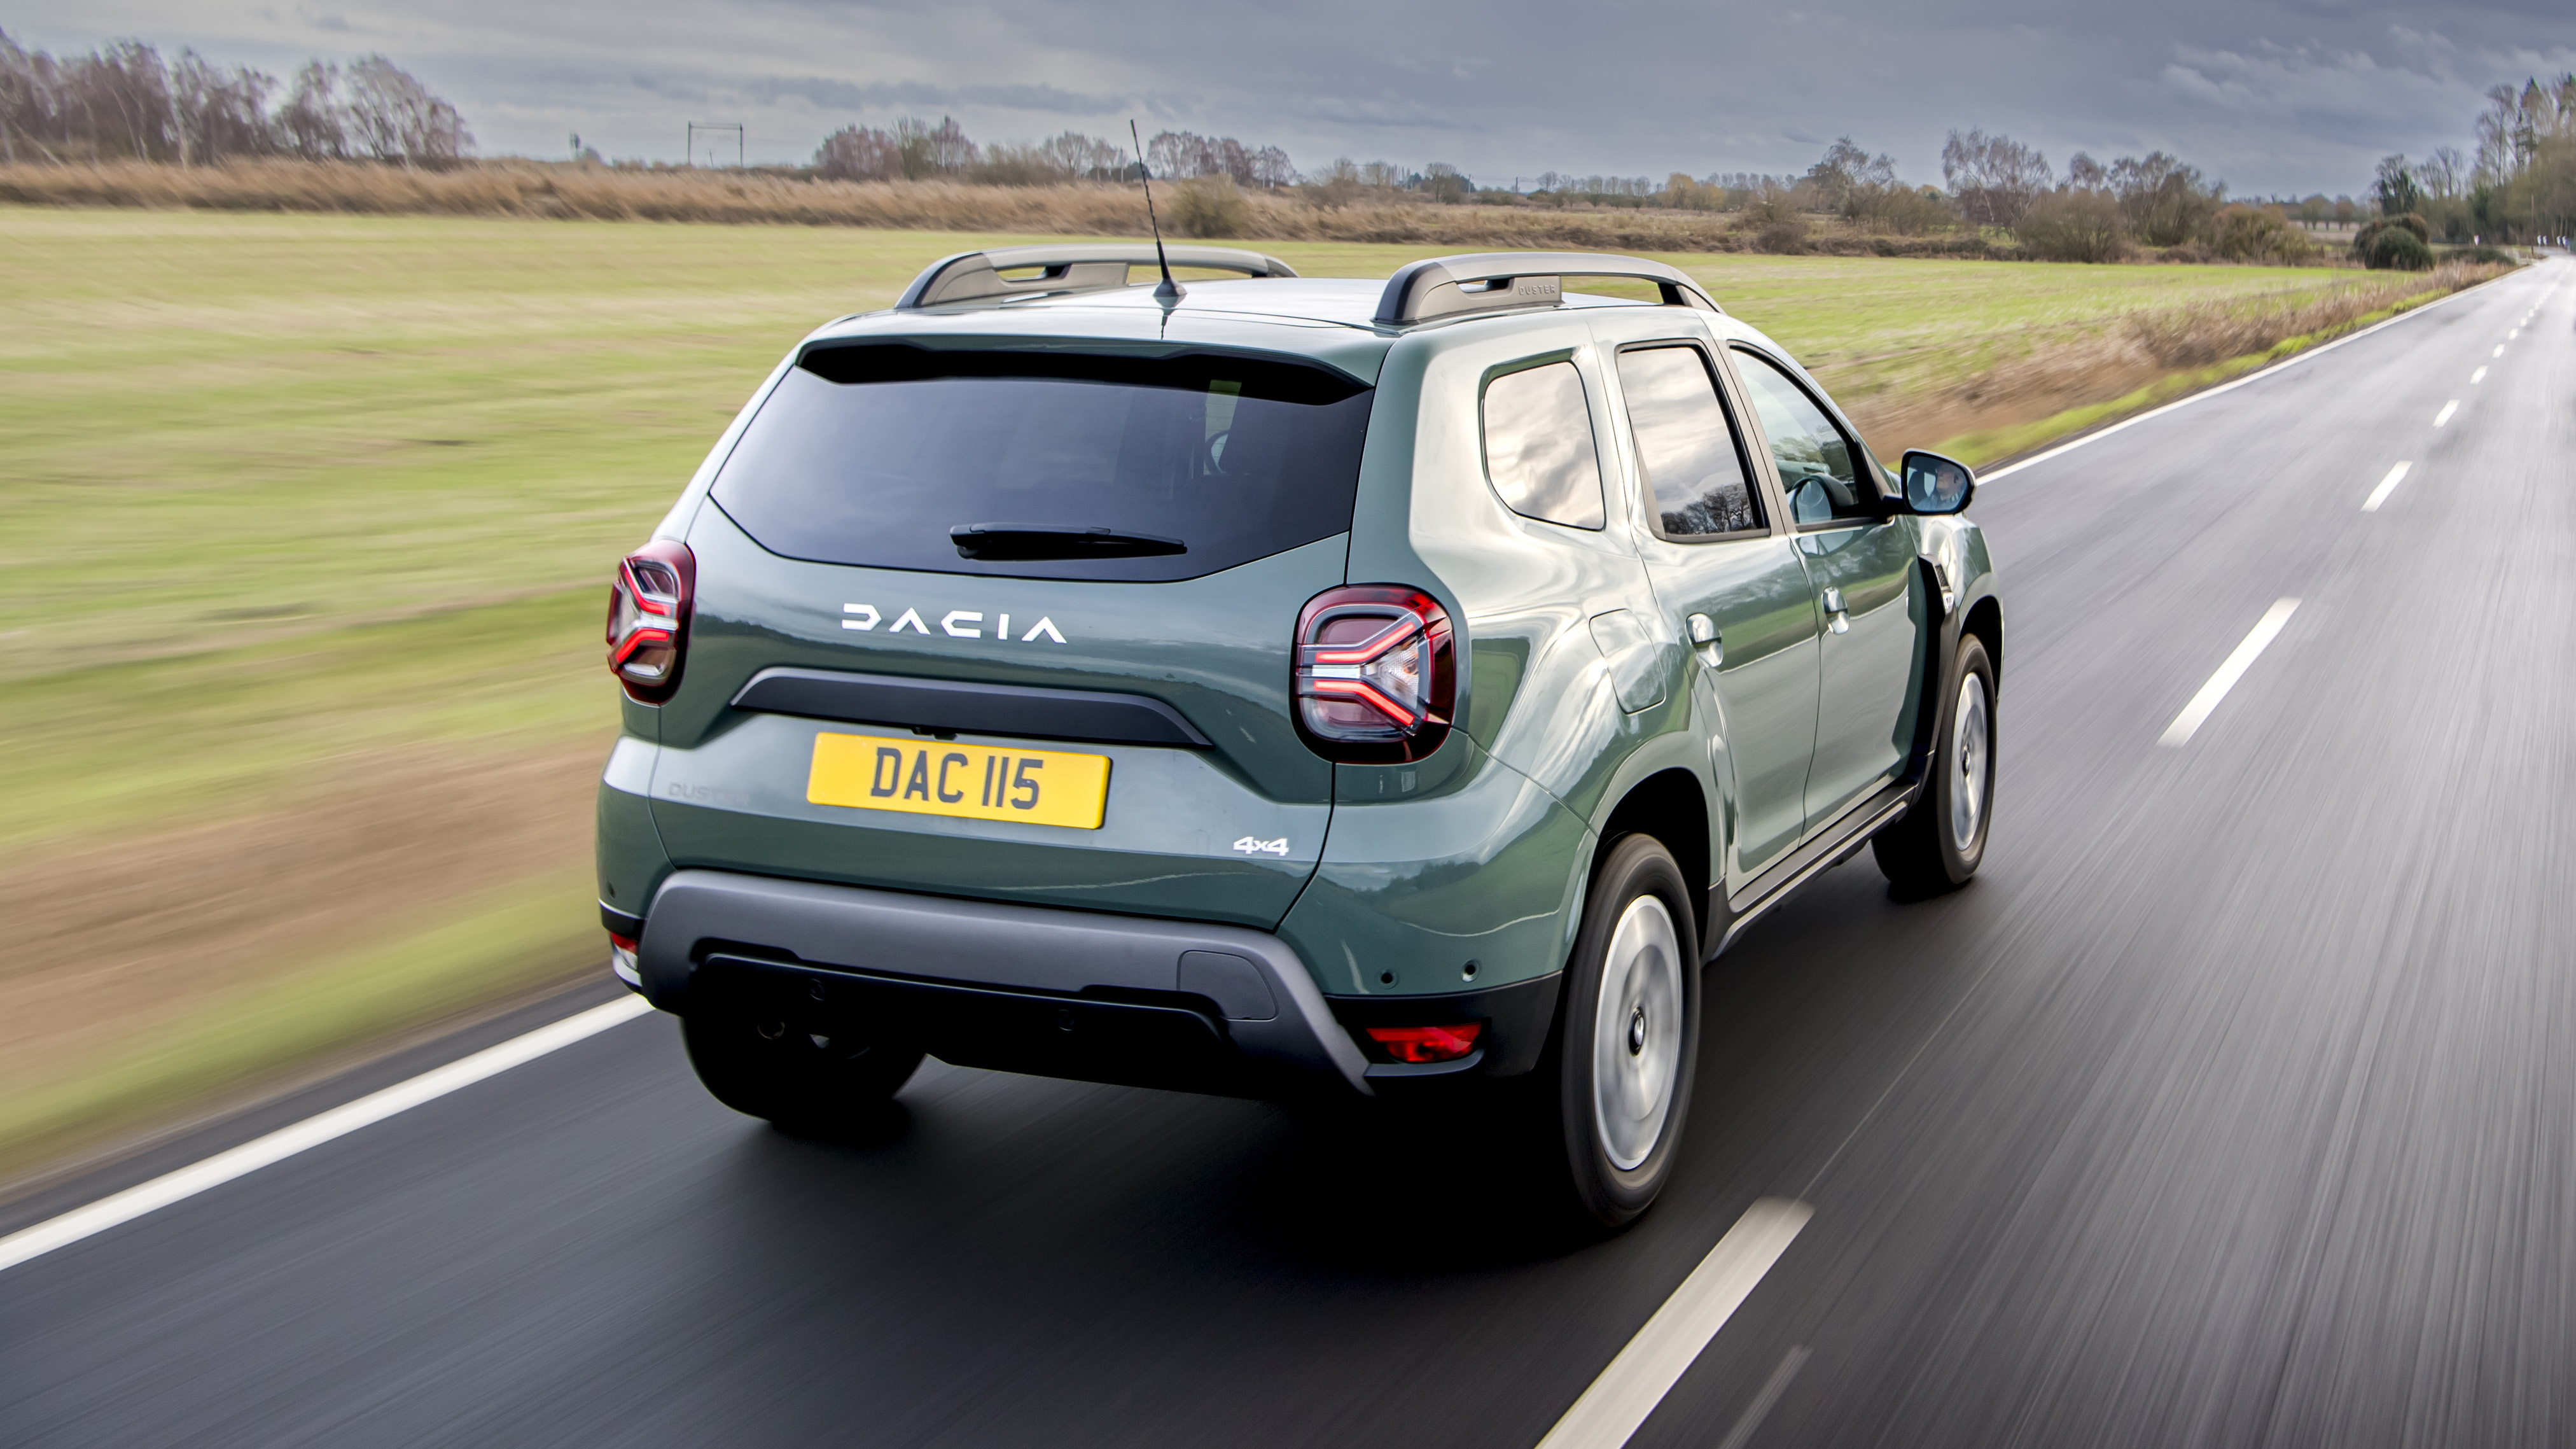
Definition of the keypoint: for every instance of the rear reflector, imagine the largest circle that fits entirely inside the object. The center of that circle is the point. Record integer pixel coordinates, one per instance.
(1419, 1044)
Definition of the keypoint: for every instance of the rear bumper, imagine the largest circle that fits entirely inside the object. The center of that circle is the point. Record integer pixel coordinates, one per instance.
(1019, 988)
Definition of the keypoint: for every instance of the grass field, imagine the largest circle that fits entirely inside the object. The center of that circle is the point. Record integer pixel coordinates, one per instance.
(303, 522)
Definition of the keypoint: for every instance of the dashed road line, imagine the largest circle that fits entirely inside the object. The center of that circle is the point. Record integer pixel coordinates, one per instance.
(286, 1142)
(2444, 416)
(2477, 377)
(2194, 714)
(1646, 1370)
(2387, 485)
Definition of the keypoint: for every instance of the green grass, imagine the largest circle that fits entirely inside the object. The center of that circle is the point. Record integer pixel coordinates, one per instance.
(216, 428)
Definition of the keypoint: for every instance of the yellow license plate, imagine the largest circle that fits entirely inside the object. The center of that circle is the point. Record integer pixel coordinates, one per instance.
(933, 777)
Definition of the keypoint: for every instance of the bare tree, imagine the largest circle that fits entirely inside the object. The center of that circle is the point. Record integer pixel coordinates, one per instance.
(1995, 178)
(857, 153)
(219, 113)
(2164, 202)
(311, 123)
(393, 117)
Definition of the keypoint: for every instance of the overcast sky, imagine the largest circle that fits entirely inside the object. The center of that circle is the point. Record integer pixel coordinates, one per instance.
(2274, 96)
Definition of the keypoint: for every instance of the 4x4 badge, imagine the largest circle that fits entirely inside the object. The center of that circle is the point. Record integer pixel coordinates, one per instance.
(956, 624)
(1250, 846)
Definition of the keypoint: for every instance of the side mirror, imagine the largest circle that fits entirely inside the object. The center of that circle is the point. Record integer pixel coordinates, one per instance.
(1934, 484)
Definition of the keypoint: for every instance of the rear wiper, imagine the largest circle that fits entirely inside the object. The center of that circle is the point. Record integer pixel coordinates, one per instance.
(1023, 541)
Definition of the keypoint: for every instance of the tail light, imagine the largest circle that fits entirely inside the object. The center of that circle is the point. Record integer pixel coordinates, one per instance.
(1416, 1045)
(648, 618)
(1377, 674)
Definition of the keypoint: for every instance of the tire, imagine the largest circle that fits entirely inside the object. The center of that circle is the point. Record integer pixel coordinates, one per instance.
(1615, 1083)
(770, 1070)
(1942, 840)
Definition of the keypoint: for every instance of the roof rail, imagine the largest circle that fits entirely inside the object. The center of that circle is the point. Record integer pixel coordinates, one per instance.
(1073, 267)
(1506, 281)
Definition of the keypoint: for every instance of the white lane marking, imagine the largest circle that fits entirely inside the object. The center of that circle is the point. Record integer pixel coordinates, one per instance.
(2477, 377)
(2444, 415)
(285, 1142)
(2499, 352)
(1769, 1395)
(2517, 332)
(2275, 370)
(2179, 733)
(1637, 1380)
(2387, 485)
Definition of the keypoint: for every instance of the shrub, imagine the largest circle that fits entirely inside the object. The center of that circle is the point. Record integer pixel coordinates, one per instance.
(2398, 248)
(2257, 234)
(2073, 226)
(1209, 206)
(1786, 237)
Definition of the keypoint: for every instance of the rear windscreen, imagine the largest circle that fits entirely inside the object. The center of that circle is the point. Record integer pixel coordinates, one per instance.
(1046, 465)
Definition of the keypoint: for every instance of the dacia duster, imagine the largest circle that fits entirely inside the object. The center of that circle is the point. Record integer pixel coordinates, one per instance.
(1274, 685)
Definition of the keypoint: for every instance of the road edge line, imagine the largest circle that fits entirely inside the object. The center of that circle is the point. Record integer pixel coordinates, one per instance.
(2257, 375)
(1628, 1390)
(186, 1182)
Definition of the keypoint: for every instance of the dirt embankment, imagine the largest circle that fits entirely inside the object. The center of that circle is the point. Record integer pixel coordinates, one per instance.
(112, 941)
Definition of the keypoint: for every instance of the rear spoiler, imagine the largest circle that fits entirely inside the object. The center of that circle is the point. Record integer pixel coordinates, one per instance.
(1506, 281)
(1087, 267)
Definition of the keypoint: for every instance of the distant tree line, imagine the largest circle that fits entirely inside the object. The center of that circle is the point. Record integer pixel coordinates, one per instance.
(2520, 186)
(915, 150)
(122, 101)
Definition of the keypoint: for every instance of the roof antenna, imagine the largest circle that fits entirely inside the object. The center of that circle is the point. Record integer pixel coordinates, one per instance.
(1167, 292)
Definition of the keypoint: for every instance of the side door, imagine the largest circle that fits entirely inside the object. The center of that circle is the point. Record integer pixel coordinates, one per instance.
(1727, 572)
(1860, 565)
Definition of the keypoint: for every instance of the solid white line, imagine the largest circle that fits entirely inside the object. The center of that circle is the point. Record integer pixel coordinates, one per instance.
(2477, 377)
(1637, 1380)
(2386, 486)
(285, 1142)
(2259, 374)
(2180, 731)
(2444, 415)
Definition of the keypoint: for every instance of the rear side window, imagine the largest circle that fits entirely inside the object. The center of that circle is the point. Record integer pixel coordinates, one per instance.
(1538, 445)
(1689, 449)
(1046, 465)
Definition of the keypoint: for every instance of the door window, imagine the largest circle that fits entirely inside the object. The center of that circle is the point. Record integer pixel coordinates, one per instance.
(1538, 445)
(1817, 463)
(1686, 445)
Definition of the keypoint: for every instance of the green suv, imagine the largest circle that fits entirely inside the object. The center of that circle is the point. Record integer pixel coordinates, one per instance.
(1278, 686)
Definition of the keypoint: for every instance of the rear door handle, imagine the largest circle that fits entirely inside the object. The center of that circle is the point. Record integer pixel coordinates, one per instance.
(1837, 618)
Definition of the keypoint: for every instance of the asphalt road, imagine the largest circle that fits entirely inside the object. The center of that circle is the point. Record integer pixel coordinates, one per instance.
(2234, 1104)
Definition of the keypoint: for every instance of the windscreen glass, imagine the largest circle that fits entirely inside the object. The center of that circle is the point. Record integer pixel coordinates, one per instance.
(1046, 465)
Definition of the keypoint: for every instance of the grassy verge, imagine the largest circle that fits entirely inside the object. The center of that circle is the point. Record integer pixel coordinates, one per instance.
(301, 545)
(1996, 444)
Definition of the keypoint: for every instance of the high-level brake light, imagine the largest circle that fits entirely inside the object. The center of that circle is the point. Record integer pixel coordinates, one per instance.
(1377, 677)
(648, 618)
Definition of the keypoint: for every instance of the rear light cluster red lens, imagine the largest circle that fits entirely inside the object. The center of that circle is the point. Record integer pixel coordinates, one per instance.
(1377, 674)
(1420, 1044)
(648, 618)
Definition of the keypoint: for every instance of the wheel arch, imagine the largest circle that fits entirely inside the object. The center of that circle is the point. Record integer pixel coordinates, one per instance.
(1670, 805)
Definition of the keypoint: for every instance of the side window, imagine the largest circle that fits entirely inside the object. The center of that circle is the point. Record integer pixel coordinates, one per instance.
(1538, 445)
(1817, 466)
(1693, 461)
